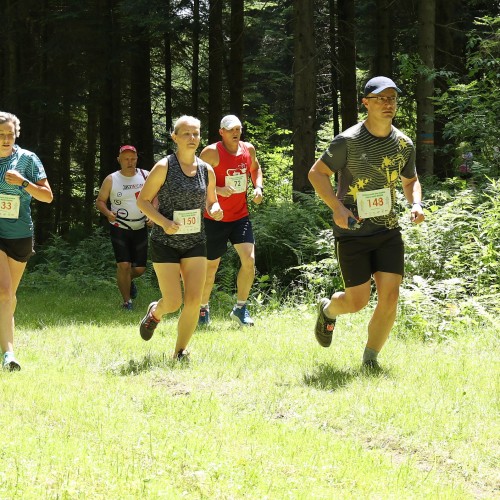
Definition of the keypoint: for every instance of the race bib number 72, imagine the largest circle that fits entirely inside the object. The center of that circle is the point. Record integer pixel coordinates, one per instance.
(238, 182)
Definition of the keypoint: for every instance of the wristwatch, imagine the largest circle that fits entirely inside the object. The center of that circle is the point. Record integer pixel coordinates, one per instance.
(25, 183)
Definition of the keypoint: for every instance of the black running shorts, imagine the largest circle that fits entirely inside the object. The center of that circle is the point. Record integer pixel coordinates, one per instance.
(219, 233)
(19, 249)
(362, 256)
(130, 245)
(162, 254)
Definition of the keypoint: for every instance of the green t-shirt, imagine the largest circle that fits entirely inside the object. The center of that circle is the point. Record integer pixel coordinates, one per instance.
(30, 167)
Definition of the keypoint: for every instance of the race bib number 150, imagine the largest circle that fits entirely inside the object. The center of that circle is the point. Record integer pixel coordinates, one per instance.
(189, 220)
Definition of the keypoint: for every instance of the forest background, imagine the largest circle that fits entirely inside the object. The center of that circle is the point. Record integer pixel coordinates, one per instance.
(86, 77)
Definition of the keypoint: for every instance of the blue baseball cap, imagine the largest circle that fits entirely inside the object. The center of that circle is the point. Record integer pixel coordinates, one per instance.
(379, 83)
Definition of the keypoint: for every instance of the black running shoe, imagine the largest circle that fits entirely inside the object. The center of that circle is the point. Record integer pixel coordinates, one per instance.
(324, 326)
(148, 323)
(182, 356)
(133, 290)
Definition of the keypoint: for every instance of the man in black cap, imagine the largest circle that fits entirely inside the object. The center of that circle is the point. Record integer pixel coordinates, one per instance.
(369, 159)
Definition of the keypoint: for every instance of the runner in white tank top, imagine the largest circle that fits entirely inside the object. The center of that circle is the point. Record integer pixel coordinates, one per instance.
(129, 235)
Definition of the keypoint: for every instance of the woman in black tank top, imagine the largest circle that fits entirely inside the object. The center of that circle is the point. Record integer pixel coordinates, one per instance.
(174, 197)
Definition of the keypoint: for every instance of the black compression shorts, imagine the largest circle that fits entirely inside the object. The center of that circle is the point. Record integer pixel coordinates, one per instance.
(130, 245)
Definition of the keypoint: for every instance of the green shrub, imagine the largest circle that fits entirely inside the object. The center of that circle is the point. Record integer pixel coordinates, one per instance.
(86, 265)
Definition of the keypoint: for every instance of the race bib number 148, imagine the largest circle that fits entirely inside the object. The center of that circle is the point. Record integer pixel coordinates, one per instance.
(374, 203)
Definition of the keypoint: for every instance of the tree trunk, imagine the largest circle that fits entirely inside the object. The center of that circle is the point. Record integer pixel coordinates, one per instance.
(110, 117)
(334, 63)
(195, 70)
(167, 84)
(347, 63)
(141, 120)
(8, 97)
(425, 87)
(304, 89)
(45, 138)
(63, 203)
(235, 73)
(90, 160)
(215, 69)
(450, 50)
(384, 38)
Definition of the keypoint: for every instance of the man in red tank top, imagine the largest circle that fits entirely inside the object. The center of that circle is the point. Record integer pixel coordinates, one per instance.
(233, 161)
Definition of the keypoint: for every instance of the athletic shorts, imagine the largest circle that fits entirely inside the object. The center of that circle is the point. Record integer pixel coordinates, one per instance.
(360, 257)
(162, 254)
(20, 249)
(130, 245)
(219, 233)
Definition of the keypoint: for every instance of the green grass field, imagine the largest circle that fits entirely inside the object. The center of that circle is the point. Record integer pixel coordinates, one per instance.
(97, 413)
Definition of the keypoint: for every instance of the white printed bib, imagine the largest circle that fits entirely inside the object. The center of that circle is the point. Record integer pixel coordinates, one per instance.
(374, 203)
(9, 206)
(189, 221)
(238, 182)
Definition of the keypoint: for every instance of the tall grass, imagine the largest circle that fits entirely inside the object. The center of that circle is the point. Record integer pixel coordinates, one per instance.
(258, 413)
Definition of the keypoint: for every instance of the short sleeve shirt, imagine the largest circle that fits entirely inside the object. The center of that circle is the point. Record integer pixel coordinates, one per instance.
(364, 162)
(30, 167)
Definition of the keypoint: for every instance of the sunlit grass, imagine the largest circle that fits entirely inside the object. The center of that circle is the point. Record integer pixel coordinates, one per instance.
(258, 413)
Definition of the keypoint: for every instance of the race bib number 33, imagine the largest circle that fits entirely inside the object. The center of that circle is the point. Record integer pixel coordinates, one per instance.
(9, 206)
(189, 220)
(374, 203)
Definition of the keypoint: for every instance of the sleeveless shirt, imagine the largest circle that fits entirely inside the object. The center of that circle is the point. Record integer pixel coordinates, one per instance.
(123, 199)
(235, 206)
(181, 192)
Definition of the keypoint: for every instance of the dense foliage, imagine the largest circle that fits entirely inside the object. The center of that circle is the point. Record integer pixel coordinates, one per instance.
(86, 77)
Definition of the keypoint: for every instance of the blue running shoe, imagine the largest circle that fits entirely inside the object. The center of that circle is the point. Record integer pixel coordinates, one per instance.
(10, 363)
(204, 319)
(133, 290)
(127, 306)
(241, 316)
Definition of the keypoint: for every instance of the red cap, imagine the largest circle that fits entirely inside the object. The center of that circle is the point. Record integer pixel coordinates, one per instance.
(127, 147)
